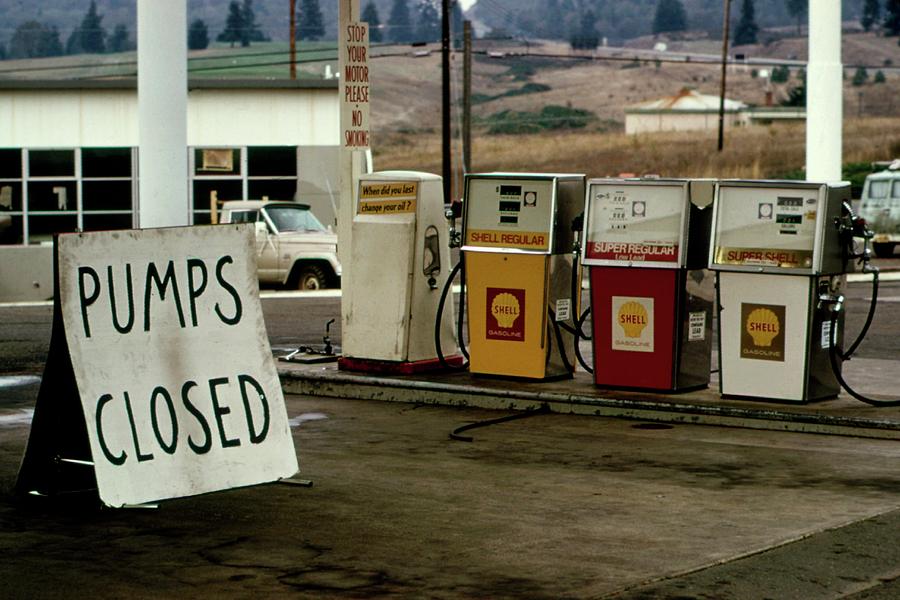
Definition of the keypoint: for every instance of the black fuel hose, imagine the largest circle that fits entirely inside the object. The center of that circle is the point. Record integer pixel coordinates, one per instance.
(834, 352)
(833, 356)
(559, 342)
(455, 434)
(869, 317)
(437, 322)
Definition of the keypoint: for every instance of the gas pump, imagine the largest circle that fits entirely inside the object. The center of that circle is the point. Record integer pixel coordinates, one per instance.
(776, 249)
(401, 260)
(522, 283)
(646, 246)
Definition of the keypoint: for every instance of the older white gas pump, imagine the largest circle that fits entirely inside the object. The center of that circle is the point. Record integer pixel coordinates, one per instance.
(777, 247)
(523, 285)
(401, 260)
(646, 245)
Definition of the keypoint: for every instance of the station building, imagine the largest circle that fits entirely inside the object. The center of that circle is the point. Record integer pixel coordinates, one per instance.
(68, 151)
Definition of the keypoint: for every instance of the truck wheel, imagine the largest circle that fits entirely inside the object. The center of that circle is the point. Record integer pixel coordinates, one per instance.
(310, 277)
(883, 250)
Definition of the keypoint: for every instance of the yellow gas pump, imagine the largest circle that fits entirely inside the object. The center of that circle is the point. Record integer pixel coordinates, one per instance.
(522, 295)
(777, 248)
(401, 260)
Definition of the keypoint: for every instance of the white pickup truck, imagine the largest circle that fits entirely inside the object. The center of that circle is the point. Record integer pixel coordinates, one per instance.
(292, 247)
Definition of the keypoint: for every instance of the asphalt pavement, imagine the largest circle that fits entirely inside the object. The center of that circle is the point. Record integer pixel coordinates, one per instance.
(552, 505)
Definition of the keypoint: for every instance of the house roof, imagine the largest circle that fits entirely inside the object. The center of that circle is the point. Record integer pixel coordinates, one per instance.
(687, 100)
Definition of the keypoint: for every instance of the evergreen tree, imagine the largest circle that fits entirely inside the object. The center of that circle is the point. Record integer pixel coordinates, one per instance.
(429, 22)
(89, 36)
(871, 12)
(797, 9)
(670, 16)
(746, 30)
(400, 23)
(93, 36)
(2, 51)
(879, 77)
(370, 16)
(251, 31)
(586, 38)
(234, 24)
(198, 35)
(34, 40)
(860, 76)
(118, 41)
(311, 25)
(892, 17)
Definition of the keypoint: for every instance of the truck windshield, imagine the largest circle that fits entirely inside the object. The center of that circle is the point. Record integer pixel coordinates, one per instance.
(293, 218)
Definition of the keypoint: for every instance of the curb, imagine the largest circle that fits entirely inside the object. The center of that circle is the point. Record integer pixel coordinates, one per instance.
(335, 384)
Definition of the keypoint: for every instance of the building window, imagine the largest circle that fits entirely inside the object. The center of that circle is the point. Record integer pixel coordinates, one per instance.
(246, 173)
(49, 191)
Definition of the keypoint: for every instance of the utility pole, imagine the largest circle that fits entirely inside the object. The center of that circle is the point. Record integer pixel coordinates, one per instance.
(726, 27)
(445, 97)
(293, 56)
(467, 97)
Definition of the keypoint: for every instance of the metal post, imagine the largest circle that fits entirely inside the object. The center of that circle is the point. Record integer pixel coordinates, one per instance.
(824, 97)
(467, 97)
(162, 113)
(726, 28)
(445, 97)
(293, 20)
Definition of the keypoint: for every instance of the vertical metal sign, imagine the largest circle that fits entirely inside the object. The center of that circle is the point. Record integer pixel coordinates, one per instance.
(355, 85)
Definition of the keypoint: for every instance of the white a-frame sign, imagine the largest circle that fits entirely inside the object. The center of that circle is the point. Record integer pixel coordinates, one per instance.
(159, 382)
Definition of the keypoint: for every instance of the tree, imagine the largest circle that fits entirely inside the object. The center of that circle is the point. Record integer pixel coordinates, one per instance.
(871, 12)
(797, 9)
(34, 40)
(879, 76)
(746, 30)
(234, 24)
(311, 25)
(860, 76)
(118, 41)
(429, 22)
(370, 16)
(400, 23)
(251, 31)
(2, 52)
(670, 16)
(780, 74)
(586, 38)
(198, 35)
(89, 36)
(892, 17)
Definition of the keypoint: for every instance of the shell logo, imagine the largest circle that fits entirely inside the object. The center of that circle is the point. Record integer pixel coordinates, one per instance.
(632, 318)
(763, 326)
(505, 308)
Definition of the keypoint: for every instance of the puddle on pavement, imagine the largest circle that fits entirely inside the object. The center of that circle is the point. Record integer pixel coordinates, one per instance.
(21, 417)
(300, 419)
(9, 381)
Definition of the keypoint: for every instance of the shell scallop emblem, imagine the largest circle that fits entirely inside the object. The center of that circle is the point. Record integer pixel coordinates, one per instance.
(762, 325)
(632, 318)
(505, 308)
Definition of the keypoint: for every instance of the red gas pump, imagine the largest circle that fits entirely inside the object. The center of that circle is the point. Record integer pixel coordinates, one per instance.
(646, 244)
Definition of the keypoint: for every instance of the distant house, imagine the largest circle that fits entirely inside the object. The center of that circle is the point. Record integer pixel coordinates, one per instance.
(688, 110)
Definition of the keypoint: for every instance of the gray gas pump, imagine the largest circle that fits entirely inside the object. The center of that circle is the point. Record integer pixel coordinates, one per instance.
(776, 249)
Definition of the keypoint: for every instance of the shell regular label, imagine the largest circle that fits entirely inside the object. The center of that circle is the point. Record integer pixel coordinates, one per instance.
(632, 324)
(387, 197)
(505, 314)
(762, 331)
